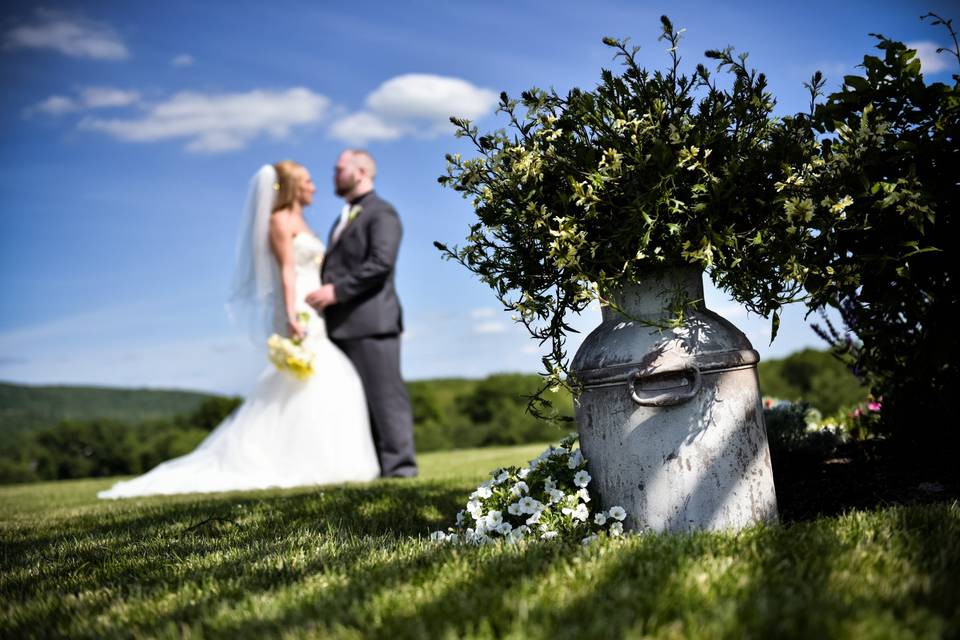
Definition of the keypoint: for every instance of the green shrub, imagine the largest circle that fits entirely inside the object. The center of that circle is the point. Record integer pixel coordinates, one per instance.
(879, 203)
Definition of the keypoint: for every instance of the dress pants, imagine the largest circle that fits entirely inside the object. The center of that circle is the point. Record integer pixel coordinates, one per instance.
(377, 360)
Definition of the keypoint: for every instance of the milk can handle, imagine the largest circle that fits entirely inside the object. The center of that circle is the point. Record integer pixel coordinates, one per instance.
(671, 397)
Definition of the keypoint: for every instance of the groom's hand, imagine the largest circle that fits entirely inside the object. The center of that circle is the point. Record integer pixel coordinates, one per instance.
(322, 297)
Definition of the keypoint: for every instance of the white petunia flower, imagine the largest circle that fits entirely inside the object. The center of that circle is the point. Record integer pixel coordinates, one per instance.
(576, 459)
(549, 484)
(618, 513)
(524, 473)
(546, 535)
(581, 513)
(460, 518)
(438, 536)
(520, 488)
(582, 478)
(453, 538)
(501, 478)
(555, 495)
(589, 539)
(484, 491)
(535, 517)
(530, 505)
(584, 495)
(504, 528)
(494, 518)
(600, 518)
(517, 534)
(474, 508)
(616, 529)
(514, 509)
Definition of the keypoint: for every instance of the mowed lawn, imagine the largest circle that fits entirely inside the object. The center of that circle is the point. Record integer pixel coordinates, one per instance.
(354, 562)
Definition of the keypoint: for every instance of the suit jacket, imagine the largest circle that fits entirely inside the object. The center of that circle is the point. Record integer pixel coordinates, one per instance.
(360, 265)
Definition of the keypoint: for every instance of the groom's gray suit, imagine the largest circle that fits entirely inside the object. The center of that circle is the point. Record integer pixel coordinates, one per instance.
(366, 323)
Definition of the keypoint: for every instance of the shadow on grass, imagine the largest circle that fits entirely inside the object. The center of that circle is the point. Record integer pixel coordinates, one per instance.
(150, 549)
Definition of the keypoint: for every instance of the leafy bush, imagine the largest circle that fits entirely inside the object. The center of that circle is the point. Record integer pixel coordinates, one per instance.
(591, 190)
(793, 427)
(878, 199)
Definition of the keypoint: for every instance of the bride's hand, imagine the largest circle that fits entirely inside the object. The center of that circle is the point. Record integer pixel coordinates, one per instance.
(295, 330)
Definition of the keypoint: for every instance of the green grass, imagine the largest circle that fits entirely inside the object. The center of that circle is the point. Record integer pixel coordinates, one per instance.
(352, 561)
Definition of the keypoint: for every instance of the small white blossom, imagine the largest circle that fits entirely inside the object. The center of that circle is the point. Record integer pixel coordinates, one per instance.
(494, 518)
(438, 536)
(584, 495)
(616, 529)
(530, 505)
(590, 538)
(514, 509)
(600, 518)
(546, 535)
(582, 478)
(581, 513)
(549, 484)
(576, 459)
(520, 488)
(524, 473)
(460, 518)
(501, 478)
(618, 513)
(555, 495)
(535, 517)
(474, 508)
(517, 534)
(504, 528)
(484, 491)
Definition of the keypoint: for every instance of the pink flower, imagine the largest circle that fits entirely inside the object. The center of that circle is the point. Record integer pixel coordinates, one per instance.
(874, 406)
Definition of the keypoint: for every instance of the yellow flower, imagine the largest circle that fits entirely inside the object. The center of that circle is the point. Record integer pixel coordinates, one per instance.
(841, 205)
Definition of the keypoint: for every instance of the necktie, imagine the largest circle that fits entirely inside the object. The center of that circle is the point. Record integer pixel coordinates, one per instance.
(344, 219)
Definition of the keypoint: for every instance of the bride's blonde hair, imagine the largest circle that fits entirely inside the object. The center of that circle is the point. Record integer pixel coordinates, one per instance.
(287, 190)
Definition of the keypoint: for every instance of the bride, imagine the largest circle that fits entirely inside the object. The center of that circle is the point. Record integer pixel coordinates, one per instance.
(288, 432)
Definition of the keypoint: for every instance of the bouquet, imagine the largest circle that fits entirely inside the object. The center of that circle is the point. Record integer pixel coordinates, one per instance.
(547, 499)
(289, 354)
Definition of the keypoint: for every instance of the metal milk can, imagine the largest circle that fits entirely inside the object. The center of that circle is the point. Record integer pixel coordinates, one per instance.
(670, 419)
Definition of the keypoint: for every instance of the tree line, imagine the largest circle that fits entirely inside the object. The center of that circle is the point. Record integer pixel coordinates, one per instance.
(448, 414)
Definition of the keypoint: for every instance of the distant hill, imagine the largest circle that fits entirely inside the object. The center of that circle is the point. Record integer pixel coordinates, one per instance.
(25, 408)
(445, 410)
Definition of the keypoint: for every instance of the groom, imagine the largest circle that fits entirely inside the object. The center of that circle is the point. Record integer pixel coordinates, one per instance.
(362, 311)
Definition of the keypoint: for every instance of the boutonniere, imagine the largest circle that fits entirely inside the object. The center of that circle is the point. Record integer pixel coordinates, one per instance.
(353, 213)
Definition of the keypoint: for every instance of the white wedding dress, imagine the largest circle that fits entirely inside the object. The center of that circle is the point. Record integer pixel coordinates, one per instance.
(288, 432)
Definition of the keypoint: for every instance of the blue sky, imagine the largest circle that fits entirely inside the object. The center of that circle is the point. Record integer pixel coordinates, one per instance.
(129, 131)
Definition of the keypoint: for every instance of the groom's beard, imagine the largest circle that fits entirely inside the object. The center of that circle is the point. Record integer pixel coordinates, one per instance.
(345, 188)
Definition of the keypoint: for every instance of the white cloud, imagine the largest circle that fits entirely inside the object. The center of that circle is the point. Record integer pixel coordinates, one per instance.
(483, 312)
(217, 123)
(489, 327)
(89, 98)
(414, 104)
(70, 35)
(54, 106)
(99, 97)
(430, 97)
(930, 60)
(182, 60)
(360, 128)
